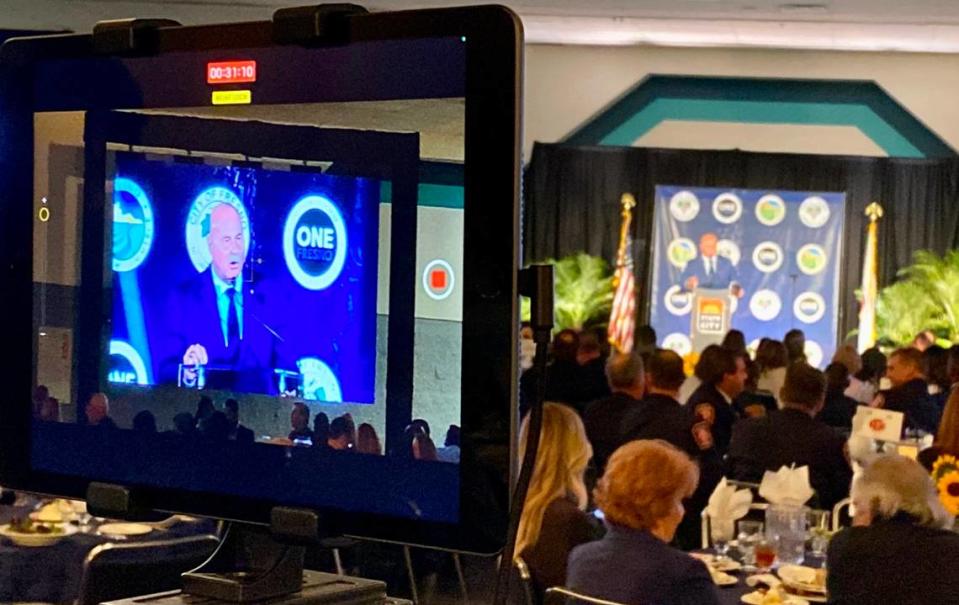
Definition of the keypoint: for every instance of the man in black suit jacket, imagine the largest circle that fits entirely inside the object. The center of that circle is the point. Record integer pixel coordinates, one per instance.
(238, 432)
(723, 375)
(793, 436)
(660, 416)
(910, 391)
(603, 418)
(212, 321)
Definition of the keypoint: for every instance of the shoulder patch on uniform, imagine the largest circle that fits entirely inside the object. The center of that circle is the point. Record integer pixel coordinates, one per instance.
(706, 412)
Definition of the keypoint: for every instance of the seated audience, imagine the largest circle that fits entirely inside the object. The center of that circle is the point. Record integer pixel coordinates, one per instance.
(98, 412)
(935, 368)
(50, 410)
(603, 419)
(660, 416)
(735, 341)
(923, 340)
(321, 429)
(723, 375)
(300, 423)
(795, 341)
(898, 550)
(562, 374)
(184, 424)
(873, 370)
(424, 448)
(238, 432)
(553, 520)
(450, 452)
(771, 359)
(591, 368)
(645, 341)
(910, 391)
(838, 408)
(216, 427)
(367, 441)
(793, 436)
(859, 390)
(641, 495)
(339, 435)
(947, 437)
(145, 422)
(204, 409)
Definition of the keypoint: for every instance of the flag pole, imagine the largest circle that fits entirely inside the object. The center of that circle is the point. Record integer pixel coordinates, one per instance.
(628, 202)
(870, 280)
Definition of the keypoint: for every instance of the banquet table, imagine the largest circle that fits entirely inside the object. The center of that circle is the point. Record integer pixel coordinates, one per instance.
(52, 574)
(731, 595)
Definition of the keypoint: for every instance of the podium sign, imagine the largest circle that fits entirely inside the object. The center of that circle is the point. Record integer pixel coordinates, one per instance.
(710, 317)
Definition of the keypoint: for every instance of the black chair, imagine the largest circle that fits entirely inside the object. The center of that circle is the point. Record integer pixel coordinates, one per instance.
(121, 570)
(526, 581)
(559, 595)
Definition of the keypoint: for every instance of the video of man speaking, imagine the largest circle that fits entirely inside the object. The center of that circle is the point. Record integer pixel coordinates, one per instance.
(244, 279)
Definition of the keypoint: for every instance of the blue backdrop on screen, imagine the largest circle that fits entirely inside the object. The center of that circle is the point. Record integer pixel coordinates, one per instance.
(782, 247)
(244, 271)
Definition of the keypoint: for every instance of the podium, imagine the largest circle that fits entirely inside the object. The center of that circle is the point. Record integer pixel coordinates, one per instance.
(710, 319)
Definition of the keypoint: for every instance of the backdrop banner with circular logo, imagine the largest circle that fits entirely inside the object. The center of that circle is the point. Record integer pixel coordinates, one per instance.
(777, 252)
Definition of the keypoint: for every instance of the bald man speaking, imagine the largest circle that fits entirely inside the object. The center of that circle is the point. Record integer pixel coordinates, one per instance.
(215, 328)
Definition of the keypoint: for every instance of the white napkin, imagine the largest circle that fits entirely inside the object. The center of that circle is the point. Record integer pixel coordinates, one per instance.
(786, 486)
(727, 502)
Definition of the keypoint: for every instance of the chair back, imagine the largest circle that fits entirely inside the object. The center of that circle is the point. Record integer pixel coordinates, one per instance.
(114, 571)
(559, 595)
(526, 581)
(838, 518)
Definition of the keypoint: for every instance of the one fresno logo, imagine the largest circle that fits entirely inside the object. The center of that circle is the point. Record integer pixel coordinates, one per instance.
(314, 242)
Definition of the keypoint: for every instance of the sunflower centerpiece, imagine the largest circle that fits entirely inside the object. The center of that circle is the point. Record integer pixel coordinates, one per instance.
(945, 474)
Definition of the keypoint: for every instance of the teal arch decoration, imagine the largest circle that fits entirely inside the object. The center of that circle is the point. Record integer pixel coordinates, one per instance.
(864, 105)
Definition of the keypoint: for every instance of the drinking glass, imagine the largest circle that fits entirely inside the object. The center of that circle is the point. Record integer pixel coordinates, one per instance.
(722, 531)
(818, 522)
(786, 527)
(750, 533)
(765, 553)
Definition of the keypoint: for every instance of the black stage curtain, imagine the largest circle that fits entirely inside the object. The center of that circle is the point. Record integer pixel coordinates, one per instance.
(572, 202)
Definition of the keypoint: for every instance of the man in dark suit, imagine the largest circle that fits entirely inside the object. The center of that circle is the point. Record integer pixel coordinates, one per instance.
(238, 432)
(660, 416)
(910, 391)
(603, 418)
(213, 326)
(592, 367)
(711, 270)
(723, 375)
(793, 436)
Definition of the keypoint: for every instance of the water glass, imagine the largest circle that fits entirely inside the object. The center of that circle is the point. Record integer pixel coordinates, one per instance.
(786, 528)
(721, 531)
(750, 534)
(818, 521)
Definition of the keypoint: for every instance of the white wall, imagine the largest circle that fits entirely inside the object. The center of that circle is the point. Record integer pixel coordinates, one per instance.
(567, 85)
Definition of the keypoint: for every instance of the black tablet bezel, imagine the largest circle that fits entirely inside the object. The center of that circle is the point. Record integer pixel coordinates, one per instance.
(491, 257)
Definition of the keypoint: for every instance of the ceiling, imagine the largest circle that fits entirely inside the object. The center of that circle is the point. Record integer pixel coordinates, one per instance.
(900, 25)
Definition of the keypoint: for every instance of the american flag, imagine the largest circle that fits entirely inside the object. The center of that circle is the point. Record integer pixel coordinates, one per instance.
(622, 319)
(870, 280)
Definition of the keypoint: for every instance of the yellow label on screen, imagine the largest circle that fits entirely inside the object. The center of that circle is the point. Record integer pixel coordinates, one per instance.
(232, 97)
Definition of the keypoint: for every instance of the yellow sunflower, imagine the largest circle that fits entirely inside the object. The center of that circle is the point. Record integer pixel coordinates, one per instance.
(944, 463)
(948, 486)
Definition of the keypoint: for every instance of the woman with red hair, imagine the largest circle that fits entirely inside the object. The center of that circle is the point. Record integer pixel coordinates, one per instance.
(641, 495)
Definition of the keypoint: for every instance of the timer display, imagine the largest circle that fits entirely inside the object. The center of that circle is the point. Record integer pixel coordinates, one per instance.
(230, 72)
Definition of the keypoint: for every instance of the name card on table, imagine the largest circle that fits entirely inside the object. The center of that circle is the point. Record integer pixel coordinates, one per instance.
(876, 423)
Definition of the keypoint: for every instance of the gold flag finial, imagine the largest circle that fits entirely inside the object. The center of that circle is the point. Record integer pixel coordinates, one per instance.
(874, 212)
(628, 201)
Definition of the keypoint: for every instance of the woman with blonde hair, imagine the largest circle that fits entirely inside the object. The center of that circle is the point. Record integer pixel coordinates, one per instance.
(641, 495)
(553, 519)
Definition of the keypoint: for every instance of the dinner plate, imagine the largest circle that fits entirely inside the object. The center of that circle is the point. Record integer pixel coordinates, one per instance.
(723, 579)
(32, 540)
(802, 578)
(124, 530)
(726, 564)
(756, 598)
